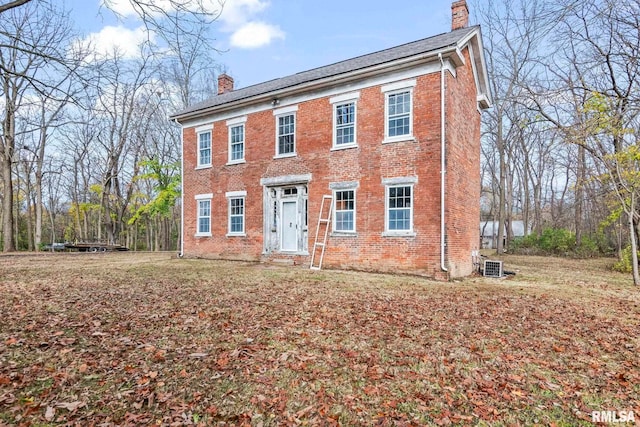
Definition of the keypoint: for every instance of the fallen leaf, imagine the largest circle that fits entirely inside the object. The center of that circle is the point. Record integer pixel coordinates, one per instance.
(198, 355)
(70, 406)
(49, 413)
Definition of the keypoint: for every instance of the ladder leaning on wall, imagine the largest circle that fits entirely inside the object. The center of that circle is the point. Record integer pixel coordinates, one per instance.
(324, 222)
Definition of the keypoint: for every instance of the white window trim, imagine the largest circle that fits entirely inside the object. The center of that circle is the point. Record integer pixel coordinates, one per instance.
(334, 231)
(344, 186)
(286, 111)
(236, 195)
(209, 130)
(199, 198)
(392, 89)
(238, 121)
(409, 181)
(346, 98)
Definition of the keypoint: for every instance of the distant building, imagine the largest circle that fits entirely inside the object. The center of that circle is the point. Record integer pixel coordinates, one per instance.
(386, 134)
(489, 232)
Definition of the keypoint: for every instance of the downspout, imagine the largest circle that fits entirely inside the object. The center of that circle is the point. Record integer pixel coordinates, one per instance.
(181, 253)
(443, 168)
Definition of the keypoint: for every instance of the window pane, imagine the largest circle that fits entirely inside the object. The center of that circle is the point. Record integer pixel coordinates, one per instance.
(344, 221)
(237, 224)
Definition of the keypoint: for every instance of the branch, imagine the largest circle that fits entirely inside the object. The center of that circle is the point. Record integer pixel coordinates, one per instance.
(12, 4)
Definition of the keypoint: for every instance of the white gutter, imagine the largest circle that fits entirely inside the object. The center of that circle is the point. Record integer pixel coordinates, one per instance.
(181, 253)
(443, 167)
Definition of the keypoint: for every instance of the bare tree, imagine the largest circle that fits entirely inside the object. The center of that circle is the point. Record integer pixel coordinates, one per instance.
(512, 33)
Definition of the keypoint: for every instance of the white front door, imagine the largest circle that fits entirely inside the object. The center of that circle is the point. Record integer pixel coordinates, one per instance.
(289, 226)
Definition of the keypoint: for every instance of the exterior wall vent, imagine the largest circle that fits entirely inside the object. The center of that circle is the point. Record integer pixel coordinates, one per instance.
(492, 268)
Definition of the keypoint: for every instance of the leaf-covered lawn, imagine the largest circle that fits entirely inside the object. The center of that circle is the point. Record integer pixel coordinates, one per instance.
(130, 339)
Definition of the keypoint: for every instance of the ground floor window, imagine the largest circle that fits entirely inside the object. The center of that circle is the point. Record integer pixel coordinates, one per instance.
(399, 205)
(236, 212)
(203, 202)
(344, 211)
(399, 208)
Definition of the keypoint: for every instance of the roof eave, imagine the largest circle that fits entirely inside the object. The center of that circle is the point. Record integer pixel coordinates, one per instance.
(451, 52)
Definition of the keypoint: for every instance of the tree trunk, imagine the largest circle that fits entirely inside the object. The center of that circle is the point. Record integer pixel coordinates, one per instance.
(501, 189)
(580, 181)
(7, 204)
(634, 243)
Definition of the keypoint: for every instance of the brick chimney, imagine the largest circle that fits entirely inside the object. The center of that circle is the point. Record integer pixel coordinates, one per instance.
(225, 83)
(459, 15)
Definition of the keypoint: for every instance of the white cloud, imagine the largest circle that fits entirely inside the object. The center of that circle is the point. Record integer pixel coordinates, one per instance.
(238, 17)
(255, 34)
(236, 13)
(123, 40)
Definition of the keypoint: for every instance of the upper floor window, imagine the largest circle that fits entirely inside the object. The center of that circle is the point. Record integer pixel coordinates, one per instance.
(286, 131)
(399, 111)
(204, 148)
(399, 114)
(344, 120)
(236, 139)
(287, 134)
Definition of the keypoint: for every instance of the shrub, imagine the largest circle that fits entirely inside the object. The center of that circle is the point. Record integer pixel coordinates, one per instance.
(559, 241)
(624, 263)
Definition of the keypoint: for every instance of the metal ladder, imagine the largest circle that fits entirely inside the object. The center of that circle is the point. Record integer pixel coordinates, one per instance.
(325, 222)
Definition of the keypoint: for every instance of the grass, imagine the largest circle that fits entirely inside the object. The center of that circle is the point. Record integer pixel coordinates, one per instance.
(130, 339)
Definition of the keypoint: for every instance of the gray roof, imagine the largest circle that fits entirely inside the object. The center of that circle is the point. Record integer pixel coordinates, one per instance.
(377, 58)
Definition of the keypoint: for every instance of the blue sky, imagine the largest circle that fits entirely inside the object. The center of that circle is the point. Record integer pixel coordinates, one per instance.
(266, 39)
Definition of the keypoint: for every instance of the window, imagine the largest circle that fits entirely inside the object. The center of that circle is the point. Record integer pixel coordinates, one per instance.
(236, 139)
(345, 124)
(399, 114)
(344, 120)
(344, 212)
(204, 148)
(236, 212)
(399, 206)
(399, 111)
(286, 131)
(344, 206)
(286, 134)
(204, 214)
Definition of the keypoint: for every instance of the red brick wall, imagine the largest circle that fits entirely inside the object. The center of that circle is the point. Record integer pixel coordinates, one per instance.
(463, 170)
(368, 164)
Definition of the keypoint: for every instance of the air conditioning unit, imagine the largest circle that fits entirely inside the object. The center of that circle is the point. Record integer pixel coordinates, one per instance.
(492, 268)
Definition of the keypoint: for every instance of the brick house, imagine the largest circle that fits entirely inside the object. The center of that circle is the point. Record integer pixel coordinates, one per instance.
(393, 136)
